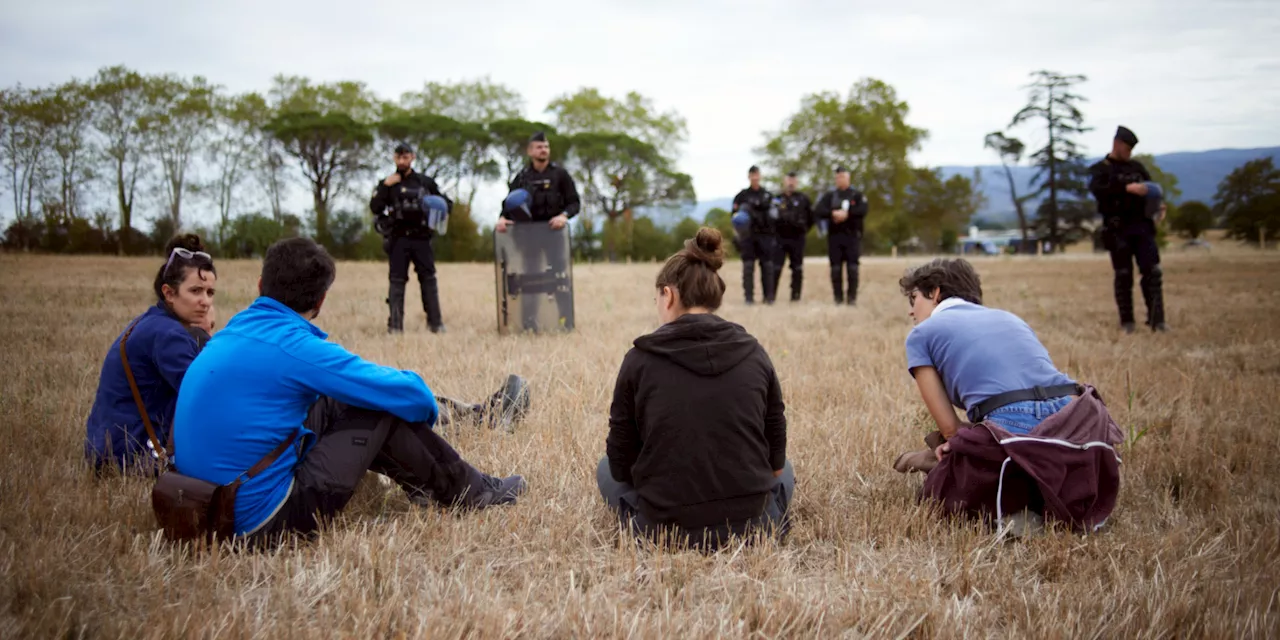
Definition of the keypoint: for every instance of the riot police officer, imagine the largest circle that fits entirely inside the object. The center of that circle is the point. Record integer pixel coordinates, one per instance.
(552, 199)
(760, 242)
(795, 219)
(1119, 184)
(553, 195)
(400, 215)
(843, 209)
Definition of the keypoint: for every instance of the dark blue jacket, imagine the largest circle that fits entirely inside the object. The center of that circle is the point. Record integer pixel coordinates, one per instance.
(160, 350)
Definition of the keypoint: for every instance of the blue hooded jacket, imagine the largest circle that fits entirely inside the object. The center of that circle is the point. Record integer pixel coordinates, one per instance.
(160, 350)
(253, 385)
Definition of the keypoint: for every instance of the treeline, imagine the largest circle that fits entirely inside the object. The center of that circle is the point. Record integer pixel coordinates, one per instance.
(89, 163)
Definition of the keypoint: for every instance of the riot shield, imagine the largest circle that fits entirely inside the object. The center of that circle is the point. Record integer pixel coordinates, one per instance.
(534, 271)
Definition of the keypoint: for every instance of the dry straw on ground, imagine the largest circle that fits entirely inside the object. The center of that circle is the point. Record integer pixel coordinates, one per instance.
(1191, 551)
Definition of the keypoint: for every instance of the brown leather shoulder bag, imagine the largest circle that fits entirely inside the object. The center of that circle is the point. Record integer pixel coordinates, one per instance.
(189, 508)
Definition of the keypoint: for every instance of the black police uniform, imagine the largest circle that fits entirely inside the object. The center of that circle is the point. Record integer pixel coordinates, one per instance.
(760, 244)
(551, 193)
(844, 239)
(1129, 235)
(795, 219)
(402, 221)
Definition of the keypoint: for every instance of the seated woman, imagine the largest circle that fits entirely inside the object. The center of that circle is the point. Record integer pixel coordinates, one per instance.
(161, 343)
(697, 428)
(991, 364)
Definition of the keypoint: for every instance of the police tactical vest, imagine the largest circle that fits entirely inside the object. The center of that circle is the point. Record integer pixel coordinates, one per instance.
(544, 191)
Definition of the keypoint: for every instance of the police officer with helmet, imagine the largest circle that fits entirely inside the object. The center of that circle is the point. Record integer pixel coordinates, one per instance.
(553, 197)
(406, 208)
(1126, 195)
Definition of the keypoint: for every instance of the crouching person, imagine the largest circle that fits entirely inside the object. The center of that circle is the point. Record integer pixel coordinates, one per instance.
(696, 451)
(1036, 443)
(271, 377)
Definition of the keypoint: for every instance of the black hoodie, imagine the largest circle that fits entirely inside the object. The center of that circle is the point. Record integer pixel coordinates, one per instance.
(697, 423)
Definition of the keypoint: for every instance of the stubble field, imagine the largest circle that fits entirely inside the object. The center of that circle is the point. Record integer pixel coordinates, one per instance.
(1193, 548)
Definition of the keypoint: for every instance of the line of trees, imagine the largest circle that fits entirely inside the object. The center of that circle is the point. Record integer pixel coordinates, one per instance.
(85, 161)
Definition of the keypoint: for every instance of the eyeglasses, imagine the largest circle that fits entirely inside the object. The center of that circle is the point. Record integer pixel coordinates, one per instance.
(186, 254)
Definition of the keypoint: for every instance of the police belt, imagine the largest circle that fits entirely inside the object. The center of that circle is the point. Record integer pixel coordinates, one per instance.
(980, 411)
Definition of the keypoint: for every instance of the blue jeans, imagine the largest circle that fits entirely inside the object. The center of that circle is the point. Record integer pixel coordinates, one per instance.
(1020, 418)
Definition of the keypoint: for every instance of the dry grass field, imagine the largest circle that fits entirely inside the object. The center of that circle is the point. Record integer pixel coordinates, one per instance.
(1193, 550)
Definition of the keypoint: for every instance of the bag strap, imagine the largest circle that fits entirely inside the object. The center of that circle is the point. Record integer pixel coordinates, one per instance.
(137, 396)
(266, 461)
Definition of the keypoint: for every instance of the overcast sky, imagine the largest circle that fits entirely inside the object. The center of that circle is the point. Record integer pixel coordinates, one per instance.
(1184, 75)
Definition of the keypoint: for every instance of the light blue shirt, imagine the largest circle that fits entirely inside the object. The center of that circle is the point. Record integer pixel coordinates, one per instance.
(253, 385)
(980, 352)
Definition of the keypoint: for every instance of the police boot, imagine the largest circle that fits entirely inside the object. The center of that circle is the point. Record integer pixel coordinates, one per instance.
(431, 305)
(749, 280)
(1153, 293)
(837, 283)
(853, 285)
(1124, 298)
(395, 302)
(797, 282)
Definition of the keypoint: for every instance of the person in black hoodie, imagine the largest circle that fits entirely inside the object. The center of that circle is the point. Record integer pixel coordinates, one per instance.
(697, 444)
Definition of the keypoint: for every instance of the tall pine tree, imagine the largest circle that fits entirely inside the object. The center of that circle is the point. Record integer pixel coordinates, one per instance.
(1061, 174)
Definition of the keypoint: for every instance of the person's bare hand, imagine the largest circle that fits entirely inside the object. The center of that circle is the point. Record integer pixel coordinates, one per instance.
(1137, 189)
(839, 215)
(942, 450)
(557, 223)
(392, 180)
(1164, 210)
(502, 225)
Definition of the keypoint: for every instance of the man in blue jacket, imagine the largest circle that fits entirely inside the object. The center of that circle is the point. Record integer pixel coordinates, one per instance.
(271, 373)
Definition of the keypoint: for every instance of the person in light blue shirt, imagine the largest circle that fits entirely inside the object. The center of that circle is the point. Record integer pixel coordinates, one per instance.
(988, 362)
(271, 374)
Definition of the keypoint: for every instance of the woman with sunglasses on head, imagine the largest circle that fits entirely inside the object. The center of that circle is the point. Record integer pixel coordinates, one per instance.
(159, 344)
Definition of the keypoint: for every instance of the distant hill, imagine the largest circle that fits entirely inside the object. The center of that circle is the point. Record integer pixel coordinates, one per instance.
(1198, 172)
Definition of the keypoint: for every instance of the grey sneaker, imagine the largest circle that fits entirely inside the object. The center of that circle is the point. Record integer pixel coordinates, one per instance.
(495, 491)
(509, 405)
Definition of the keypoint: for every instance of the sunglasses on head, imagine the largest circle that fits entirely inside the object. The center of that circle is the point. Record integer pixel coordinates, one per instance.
(186, 254)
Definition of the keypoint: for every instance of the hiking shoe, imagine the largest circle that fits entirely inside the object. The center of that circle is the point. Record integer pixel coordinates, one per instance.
(509, 405)
(1128, 327)
(437, 329)
(494, 491)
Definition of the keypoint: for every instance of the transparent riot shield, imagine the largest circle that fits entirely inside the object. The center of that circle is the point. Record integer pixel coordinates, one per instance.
(534, 271)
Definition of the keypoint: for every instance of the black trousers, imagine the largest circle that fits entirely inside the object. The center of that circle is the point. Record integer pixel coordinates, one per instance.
(793, 249)
(623, 500)
(758, 247)
(351, 441)
(418, 250)
(1127, 245)
(844, 252)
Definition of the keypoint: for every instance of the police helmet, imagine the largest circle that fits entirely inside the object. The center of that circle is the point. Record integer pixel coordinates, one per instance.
(516, 206)
(437, 211)
(1155, 197)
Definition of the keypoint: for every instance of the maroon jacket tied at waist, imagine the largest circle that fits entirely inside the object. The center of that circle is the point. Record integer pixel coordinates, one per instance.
(1067, 461)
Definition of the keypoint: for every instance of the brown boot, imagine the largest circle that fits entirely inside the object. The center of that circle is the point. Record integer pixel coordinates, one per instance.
(923, 460)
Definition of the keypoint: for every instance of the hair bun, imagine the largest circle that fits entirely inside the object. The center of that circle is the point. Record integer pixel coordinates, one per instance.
(706, 248)
(188, 241)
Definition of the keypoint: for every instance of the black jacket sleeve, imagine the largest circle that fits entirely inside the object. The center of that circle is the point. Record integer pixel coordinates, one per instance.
(623, 444)
(775, 422)
(569, 194)
(807, 215)
(1100, 183)
(737, 200)
(381, 198)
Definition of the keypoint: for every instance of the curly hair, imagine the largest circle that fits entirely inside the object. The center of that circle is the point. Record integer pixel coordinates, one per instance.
(953, 277)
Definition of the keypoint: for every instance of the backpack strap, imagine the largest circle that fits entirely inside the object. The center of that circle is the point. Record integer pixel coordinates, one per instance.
(137, 396)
